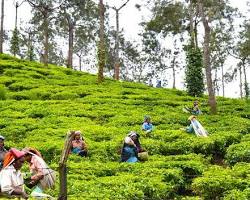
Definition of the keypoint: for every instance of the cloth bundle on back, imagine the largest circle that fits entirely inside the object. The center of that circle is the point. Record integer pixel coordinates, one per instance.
(42, 176)
(196, 127)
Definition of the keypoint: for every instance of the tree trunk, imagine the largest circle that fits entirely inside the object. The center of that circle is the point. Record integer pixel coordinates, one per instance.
(206, 60)
(117, 63)
(245, 79)
(16, 15)
(191, 18)
(241, 91)
(223, 80)
(173, 67)
(101, 48)
(80, 63)
(2, 31)
(70, 50)
(46, 41)
(196, 34)
(216, 84)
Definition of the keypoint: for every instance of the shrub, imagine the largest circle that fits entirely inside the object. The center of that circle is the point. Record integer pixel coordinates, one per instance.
(64, 96)
(237, 195)
(2, 93)
(238, 153)
(194, 75)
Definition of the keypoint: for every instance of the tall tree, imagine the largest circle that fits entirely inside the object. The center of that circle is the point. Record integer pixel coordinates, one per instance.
(172, 17)
(220, 44)
(84, 45)
(155, 56)
(192, 11)
(46, 9)
(241, 51)
(101, 46)
(14, 43)
(194, 75)
(244, 54)
(76, 15)
(30, 48)
(206, 56)
(17, 5)
(2, 29)
(117, 62)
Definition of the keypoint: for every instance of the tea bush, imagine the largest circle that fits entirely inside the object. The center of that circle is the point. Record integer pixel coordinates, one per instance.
(40, 105)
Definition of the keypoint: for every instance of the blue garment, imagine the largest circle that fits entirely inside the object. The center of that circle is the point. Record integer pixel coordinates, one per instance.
(196, 112)
(158, 85)
(38, 189)
(129, 154)
(80, 152)
(76, 150)
(190, 129)
(132, 159)
(147, 126)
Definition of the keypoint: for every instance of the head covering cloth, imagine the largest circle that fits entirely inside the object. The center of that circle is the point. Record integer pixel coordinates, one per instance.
(147, 117)
(11, 156)
(32, 151)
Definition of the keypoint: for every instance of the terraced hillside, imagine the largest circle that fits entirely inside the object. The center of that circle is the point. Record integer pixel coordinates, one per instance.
(39, 105)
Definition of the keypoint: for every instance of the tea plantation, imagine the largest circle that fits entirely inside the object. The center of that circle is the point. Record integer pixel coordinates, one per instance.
(40, 105)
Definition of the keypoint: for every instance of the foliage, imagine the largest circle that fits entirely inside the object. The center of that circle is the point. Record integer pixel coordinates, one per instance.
(194, 74)
(238, 153)
(15, 43)
(41, 104)
(168, 17)
(217, 181)
(2, 92)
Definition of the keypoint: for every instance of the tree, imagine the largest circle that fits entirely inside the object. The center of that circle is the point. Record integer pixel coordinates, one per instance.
(220, 45)
(101, 46)
(206, 58)
(76, 15)
(14, 48)
(193, 22)
(45, 14)
(30, 47)
(194, 76)
(155, 55)
(244, 54)
(17, 5)
(117, 62)
(2, 29)
(172, 17)
(83, 45)
(241, 51)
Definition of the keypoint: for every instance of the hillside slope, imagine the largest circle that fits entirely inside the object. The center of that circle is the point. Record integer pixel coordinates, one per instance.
(39, 105)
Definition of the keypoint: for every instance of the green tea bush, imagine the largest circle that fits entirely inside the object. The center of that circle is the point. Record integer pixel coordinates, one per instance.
(63, 96)
(237, 194)
(19, 86)
(2, 93)
(217, 181)
(42, 104)
(238, 153)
